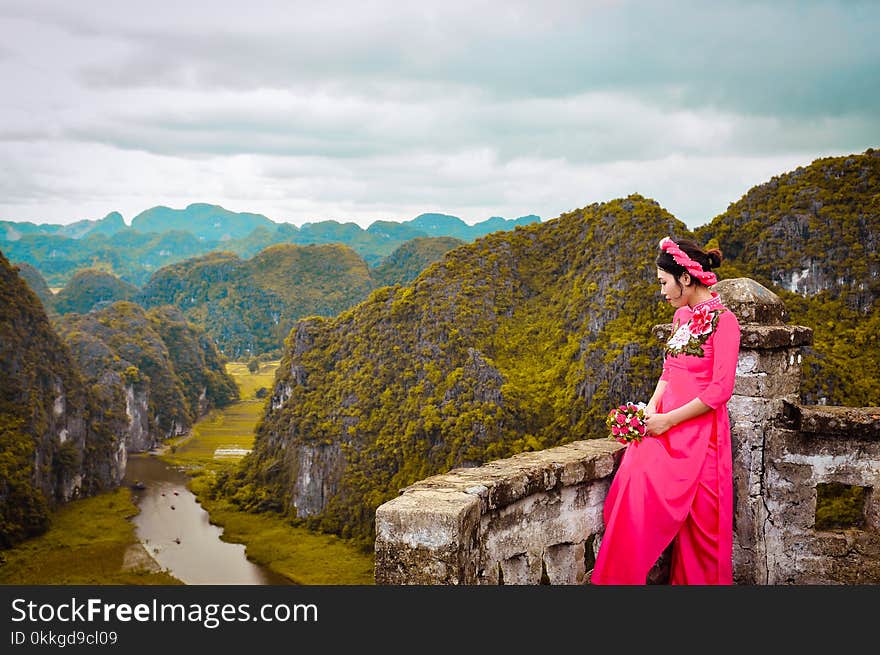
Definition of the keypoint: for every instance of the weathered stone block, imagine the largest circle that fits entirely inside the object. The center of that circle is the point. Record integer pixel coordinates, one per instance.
(564, 563)
(751, 301)
(767, 374)
(426, 537)
(848, 422)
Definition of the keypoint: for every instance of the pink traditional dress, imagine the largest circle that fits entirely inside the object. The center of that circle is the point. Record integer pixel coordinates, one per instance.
(679, 485)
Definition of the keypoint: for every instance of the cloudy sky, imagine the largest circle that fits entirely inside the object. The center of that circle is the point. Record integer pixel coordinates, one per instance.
(358, 111)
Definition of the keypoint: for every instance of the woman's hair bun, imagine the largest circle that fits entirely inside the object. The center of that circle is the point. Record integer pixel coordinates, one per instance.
(715, 257)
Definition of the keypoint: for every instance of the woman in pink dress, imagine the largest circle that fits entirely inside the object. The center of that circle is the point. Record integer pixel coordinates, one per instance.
(676, 485)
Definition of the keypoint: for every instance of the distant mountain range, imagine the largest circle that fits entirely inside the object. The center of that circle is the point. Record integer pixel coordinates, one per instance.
(161, 236)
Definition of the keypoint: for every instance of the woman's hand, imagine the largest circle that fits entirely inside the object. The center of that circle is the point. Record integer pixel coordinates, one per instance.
(650, 409)
(658, 423)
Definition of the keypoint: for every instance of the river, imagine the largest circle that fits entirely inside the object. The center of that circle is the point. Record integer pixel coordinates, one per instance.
(176, 531)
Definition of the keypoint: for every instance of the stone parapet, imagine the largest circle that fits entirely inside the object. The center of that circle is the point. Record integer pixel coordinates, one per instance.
(514, 521)
(845, 422)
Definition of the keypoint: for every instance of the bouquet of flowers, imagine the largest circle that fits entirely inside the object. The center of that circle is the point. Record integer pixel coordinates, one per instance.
(627, 422)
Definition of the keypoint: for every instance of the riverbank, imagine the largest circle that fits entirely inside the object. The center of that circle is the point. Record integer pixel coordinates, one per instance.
(91, 541)
(218, 442)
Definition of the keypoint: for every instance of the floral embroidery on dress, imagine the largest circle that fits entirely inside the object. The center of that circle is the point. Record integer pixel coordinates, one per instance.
(688, 339)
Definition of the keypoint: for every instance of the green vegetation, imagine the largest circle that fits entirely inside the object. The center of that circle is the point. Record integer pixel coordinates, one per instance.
(248, 307)
(90, 288)
(810, 236)
(303, 556)
(839, 506)
(404, 264)
(38, 285)
(129, 254)
(91, 541)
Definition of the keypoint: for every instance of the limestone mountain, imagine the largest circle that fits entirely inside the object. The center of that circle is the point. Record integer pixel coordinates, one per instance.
(55, 441)
(90, 288)
(812, 235)
(155, 374)
(406, 262)
(207, 222)
(446, 225)
(110, 224)
(520, 340)
(37, 284)
(249, 306)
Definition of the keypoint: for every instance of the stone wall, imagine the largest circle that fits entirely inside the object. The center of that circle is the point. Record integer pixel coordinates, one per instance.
(523, 520)
(536, 518)
(815, 446)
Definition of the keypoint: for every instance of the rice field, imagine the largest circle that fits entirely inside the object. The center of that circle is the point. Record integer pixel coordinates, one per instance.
(226, 434)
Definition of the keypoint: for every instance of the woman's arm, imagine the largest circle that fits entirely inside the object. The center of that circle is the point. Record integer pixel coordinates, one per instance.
(660, 423)
(726, 352)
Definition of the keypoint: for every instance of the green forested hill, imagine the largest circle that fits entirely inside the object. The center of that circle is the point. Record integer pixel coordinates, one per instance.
(249, 306)
(812, 235)
(55, 441)
(520, 340)
(37, 284)
(89, 288)
(406, 262)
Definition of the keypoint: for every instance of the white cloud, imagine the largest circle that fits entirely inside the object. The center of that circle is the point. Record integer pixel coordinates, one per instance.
(366, 110)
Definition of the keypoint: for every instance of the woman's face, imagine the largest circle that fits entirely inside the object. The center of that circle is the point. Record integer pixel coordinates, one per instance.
(675, 294)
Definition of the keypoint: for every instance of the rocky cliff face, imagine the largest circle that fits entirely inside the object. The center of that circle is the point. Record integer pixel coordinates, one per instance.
(137, 408)
(812, 236)
(155, 373)
(812, 230)
(55, 442)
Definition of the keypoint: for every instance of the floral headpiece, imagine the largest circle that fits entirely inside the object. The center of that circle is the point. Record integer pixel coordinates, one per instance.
(706, 277)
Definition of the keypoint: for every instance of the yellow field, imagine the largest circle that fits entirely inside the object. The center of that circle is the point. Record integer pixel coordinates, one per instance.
(248, 382)
(227, 429)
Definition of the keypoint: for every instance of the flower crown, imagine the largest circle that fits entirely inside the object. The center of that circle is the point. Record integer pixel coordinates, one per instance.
(694, 268)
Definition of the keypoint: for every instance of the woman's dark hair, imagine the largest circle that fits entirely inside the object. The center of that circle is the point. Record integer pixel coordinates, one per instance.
(708, 259)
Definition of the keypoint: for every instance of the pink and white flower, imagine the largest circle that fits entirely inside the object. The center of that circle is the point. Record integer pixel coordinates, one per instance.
(701, 321)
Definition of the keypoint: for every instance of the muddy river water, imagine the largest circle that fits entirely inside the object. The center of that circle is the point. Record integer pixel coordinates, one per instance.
(176, 531)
